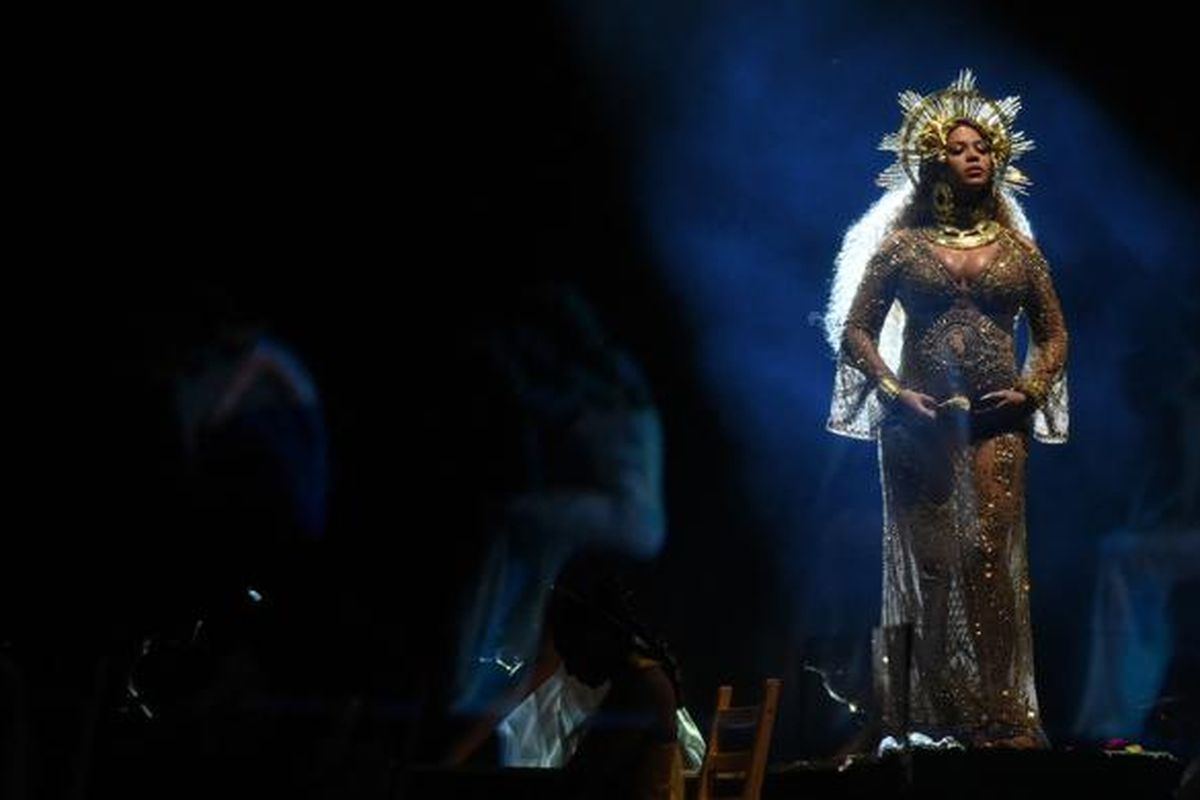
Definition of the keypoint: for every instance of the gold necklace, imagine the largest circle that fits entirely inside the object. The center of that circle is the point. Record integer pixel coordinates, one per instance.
(981, 233)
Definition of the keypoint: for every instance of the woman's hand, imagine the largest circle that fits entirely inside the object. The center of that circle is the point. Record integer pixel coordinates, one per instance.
(1003, 399)
(1003, 407)
(920, 404)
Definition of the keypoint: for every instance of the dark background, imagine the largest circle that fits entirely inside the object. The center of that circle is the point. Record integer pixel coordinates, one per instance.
(371, 185)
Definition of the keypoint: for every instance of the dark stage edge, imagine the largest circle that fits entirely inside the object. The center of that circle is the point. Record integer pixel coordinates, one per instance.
(972, 775)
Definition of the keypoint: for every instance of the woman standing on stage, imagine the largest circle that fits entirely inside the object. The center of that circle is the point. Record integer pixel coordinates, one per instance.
(928, 291)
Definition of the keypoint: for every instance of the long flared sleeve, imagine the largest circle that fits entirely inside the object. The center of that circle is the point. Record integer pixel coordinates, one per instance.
(1044, 373)
(855, 409)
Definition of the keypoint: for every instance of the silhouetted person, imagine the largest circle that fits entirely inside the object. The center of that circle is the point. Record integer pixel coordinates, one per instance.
(629, 746)
(232, 685)
(252, 433)
(552, 445)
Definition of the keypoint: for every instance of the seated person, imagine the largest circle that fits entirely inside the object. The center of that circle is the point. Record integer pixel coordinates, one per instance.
(629, 747)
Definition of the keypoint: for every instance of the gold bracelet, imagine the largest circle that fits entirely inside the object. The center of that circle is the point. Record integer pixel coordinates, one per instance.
(889, 386)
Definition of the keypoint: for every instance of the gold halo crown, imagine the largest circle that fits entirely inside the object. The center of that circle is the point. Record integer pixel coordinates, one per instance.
(928, 121)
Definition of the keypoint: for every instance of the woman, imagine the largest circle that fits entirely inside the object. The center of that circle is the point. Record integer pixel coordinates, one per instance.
(927, 295)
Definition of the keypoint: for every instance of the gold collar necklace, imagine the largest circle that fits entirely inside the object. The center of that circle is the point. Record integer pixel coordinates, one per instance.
(981, 233)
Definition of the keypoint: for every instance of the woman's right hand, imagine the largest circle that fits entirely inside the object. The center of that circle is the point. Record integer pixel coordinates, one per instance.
(918, 403)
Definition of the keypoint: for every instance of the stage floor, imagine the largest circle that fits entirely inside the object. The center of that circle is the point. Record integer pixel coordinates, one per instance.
(973, 775)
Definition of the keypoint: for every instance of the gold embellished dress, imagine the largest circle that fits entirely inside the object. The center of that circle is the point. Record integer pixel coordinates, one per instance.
(955, 567)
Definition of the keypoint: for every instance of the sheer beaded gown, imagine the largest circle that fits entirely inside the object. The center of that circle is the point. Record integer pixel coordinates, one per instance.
(955, 566)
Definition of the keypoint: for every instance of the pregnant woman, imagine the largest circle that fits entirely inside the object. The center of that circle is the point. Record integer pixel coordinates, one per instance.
(928, 292)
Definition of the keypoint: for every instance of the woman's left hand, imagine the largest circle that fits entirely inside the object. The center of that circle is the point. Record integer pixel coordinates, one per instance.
(1004, 398)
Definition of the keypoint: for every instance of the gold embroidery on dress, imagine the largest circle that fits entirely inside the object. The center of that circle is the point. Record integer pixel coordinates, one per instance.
(955, 559)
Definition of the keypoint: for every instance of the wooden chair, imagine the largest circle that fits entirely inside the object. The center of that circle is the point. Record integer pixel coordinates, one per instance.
(735, 762)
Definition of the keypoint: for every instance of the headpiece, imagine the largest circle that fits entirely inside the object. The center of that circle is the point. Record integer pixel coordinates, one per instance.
(928, 121)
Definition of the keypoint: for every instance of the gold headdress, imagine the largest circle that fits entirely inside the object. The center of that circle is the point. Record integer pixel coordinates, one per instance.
(929, 120)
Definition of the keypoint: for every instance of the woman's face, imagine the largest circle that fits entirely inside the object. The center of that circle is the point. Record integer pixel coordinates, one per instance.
(969, 156)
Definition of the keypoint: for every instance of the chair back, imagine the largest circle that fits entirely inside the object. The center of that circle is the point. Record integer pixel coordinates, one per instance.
(735, 762)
